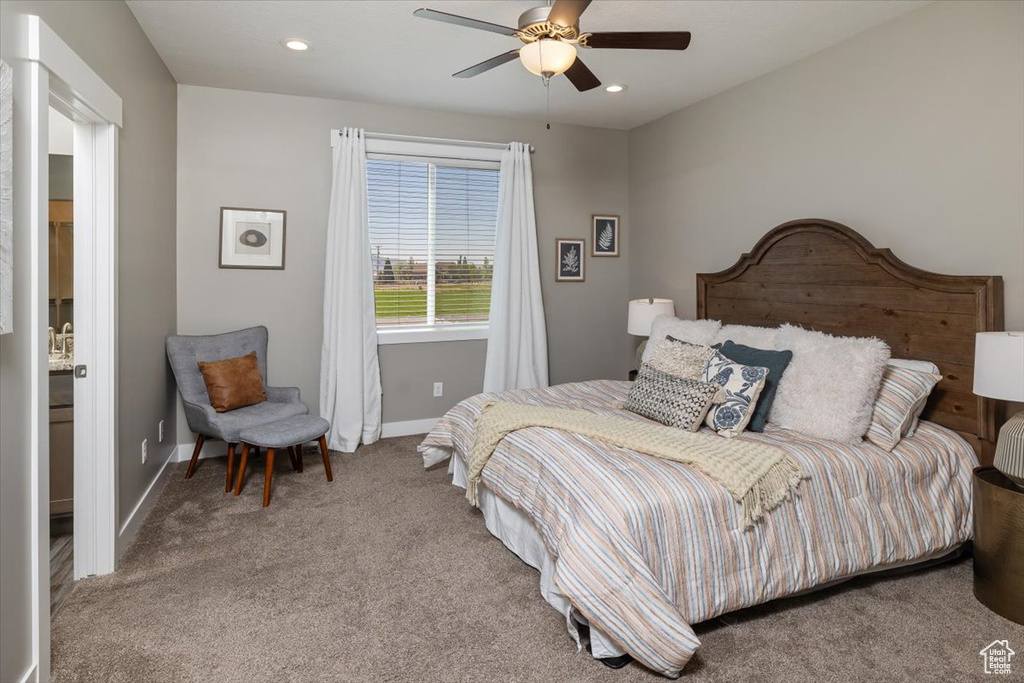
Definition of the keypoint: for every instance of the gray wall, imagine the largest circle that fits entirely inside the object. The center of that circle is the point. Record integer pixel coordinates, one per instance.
(911, 133)
(273, 151)
(107, 37)
(62, 177)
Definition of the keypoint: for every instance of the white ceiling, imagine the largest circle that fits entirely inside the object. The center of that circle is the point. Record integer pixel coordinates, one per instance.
(376, 51)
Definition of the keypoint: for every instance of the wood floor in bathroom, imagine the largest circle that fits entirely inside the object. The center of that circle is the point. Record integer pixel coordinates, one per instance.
(61, 570)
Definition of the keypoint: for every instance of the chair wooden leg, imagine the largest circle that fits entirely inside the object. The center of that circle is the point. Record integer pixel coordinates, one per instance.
(241, 468)
(195, 456)
(327, 458)
(298, 457)
(268, 477)
(294, 460)
(231, 468)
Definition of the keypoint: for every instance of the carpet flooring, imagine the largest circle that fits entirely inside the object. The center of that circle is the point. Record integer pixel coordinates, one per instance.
(387, 574)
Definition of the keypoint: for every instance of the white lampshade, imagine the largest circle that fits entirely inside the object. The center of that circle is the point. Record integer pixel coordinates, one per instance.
(999, 365)
(642, 313)
(547, 57)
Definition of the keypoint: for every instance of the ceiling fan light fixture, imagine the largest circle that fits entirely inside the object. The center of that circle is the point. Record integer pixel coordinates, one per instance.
(547, 57)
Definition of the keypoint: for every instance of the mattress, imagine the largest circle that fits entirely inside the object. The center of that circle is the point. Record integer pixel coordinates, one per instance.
(643, 548)
(519, 535)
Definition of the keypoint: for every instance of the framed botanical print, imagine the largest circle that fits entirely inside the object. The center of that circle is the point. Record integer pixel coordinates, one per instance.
(604, 235)
(570, 254)
(252, 238)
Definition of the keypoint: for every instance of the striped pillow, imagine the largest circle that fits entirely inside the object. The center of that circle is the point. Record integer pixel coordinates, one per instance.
(902, 392)
(920, 366)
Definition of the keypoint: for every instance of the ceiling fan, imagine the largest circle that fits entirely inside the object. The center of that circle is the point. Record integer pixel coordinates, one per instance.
(551, 35)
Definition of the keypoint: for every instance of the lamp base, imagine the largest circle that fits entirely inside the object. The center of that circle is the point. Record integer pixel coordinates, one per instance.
(1010, 450)
(640, 353)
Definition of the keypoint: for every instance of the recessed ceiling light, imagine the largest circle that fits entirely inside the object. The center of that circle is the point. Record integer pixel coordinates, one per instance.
(615, 88)
(295, 44)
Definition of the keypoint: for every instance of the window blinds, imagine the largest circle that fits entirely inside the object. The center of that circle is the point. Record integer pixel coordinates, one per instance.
(432, 227)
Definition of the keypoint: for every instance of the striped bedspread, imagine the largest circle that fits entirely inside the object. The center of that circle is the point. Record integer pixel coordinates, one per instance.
(645, 547)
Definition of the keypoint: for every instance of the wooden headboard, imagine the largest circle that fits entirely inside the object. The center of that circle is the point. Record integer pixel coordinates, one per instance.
(827, 277)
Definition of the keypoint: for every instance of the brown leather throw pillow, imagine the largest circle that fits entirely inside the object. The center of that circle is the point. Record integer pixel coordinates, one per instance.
(234, 382)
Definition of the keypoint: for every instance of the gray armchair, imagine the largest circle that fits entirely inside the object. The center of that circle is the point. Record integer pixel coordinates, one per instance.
(185, 352)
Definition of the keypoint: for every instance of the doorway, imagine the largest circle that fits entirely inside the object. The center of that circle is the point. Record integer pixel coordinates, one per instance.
(61, 355)
(85, 352)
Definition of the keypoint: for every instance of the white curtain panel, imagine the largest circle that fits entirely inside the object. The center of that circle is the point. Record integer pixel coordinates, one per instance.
(349, 368)
(517, 344)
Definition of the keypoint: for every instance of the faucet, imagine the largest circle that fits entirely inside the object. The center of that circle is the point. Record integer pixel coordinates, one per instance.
(65, 334)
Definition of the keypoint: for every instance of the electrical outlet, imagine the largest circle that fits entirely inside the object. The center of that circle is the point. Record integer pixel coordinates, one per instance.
(145, 449)
(160, 431)
(438, 389)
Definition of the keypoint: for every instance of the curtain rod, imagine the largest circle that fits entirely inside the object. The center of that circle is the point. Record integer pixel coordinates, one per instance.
(435, 141)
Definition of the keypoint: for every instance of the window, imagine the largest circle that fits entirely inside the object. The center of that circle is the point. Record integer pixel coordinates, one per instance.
(432, 228)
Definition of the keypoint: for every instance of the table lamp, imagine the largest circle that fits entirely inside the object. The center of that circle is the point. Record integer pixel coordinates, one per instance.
(999, 374)
(642, 313)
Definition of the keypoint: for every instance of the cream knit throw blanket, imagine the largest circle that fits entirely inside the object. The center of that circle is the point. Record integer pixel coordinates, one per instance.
(757, 475)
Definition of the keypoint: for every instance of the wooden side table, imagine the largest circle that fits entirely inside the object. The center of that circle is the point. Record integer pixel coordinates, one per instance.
(999, 544)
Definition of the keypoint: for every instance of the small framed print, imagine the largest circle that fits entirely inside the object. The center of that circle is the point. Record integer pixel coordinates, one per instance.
(604, 236)
(252, 238)
(571, 254)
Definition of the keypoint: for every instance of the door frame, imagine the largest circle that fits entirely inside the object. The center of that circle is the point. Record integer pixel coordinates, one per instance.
(49, 73)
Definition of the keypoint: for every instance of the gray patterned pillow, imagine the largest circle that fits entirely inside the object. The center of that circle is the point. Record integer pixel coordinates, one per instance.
(670, 400)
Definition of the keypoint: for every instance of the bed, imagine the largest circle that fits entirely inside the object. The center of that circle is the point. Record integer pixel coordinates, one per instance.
(633, 550)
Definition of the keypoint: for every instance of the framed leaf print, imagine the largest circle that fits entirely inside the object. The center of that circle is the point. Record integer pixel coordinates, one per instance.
(252, 238)
(604, 235)
(570, 254)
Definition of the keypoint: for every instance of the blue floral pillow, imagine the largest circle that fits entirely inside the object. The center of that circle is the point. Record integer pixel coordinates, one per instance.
(743, 384)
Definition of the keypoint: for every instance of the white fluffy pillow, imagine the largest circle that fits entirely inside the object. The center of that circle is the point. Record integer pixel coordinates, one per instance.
(829, 388)
(699, 332)
(748, 335)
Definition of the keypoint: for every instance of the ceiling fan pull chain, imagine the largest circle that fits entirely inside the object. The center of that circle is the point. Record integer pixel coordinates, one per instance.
(547, 88)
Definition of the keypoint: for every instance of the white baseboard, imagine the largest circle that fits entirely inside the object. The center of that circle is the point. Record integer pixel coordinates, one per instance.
(131, 525)
(211, 449)
(30, 674)
(407, 428)
(219, 449)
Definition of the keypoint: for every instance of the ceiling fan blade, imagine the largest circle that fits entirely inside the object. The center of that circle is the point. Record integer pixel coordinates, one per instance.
(478, 69)
(582, 77)
(640, 40)
(567, 12)
(464, 21)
